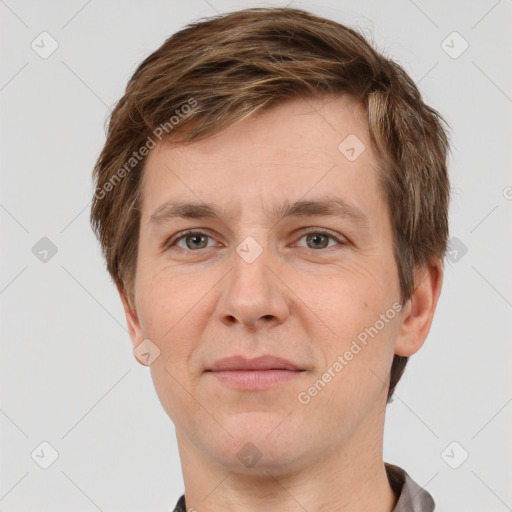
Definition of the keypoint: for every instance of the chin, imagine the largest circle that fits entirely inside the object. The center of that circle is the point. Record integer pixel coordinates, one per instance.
(259, 445)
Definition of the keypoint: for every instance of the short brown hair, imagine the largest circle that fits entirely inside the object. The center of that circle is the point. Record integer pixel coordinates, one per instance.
(226, 68)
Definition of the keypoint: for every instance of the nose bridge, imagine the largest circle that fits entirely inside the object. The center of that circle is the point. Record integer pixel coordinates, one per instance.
(250, 263)
(252, 291)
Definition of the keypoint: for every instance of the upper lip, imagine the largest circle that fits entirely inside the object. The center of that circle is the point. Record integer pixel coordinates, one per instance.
(267, 362)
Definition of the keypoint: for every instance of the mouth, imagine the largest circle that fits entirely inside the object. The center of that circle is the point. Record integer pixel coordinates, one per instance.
(254, 374)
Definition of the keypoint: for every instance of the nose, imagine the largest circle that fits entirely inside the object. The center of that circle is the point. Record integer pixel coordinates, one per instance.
(253, 296)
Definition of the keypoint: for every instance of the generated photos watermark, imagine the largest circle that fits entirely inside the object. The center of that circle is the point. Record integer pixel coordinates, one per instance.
(137, 156)
(304, 397)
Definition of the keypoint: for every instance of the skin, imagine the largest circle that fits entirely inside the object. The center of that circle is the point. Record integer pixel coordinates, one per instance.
(202, 301)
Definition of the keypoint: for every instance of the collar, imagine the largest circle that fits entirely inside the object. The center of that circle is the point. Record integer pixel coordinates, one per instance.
(411, 497)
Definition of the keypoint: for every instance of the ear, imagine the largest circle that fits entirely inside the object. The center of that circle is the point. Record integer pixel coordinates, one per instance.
(418, 312)
(132, 320)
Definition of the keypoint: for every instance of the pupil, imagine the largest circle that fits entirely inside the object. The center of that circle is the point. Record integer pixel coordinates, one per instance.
(316, 237)
(196, 239)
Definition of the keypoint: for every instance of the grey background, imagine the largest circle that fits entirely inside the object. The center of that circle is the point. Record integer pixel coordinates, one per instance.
(68, 376)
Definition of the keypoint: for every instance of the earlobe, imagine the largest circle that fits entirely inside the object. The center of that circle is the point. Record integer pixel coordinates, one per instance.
(418, 312)
(132, 320)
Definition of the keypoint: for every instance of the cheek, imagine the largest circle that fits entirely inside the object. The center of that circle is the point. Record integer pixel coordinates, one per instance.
(360, 308)
(171, 317)
(166, 298)
(169, 314)
(355, 378)
(351, 297)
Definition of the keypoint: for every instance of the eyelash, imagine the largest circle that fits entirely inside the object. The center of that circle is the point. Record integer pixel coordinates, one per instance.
(191, 232)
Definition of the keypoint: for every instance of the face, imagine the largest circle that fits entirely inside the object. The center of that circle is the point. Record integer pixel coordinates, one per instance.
(290, 255)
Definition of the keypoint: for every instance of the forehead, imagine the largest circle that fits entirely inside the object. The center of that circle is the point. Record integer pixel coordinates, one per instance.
(297, 150)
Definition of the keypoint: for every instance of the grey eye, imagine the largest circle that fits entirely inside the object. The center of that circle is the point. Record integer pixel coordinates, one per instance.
(319, 240)
(193, 241)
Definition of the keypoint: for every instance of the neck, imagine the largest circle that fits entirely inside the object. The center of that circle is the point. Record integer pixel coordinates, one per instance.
(351, 478)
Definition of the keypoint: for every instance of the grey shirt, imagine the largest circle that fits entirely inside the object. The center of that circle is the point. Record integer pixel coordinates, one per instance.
(411, 497)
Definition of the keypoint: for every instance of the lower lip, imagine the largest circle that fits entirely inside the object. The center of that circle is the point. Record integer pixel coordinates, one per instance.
(255, 379)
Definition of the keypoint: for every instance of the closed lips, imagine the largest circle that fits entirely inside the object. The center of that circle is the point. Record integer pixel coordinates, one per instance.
(240, 363)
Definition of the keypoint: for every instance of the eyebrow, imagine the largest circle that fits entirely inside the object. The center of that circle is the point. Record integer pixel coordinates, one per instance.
(328, 206)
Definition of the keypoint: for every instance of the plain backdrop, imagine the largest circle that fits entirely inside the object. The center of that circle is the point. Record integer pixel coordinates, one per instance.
(68, 376)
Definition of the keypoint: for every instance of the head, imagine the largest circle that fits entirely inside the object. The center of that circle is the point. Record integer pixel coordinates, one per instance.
(249, 112)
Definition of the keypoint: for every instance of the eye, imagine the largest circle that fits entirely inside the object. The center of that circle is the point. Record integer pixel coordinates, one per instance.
(319, 239)
(193, 240)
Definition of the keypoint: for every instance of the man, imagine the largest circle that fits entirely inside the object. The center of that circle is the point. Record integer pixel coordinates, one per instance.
(272, 205)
